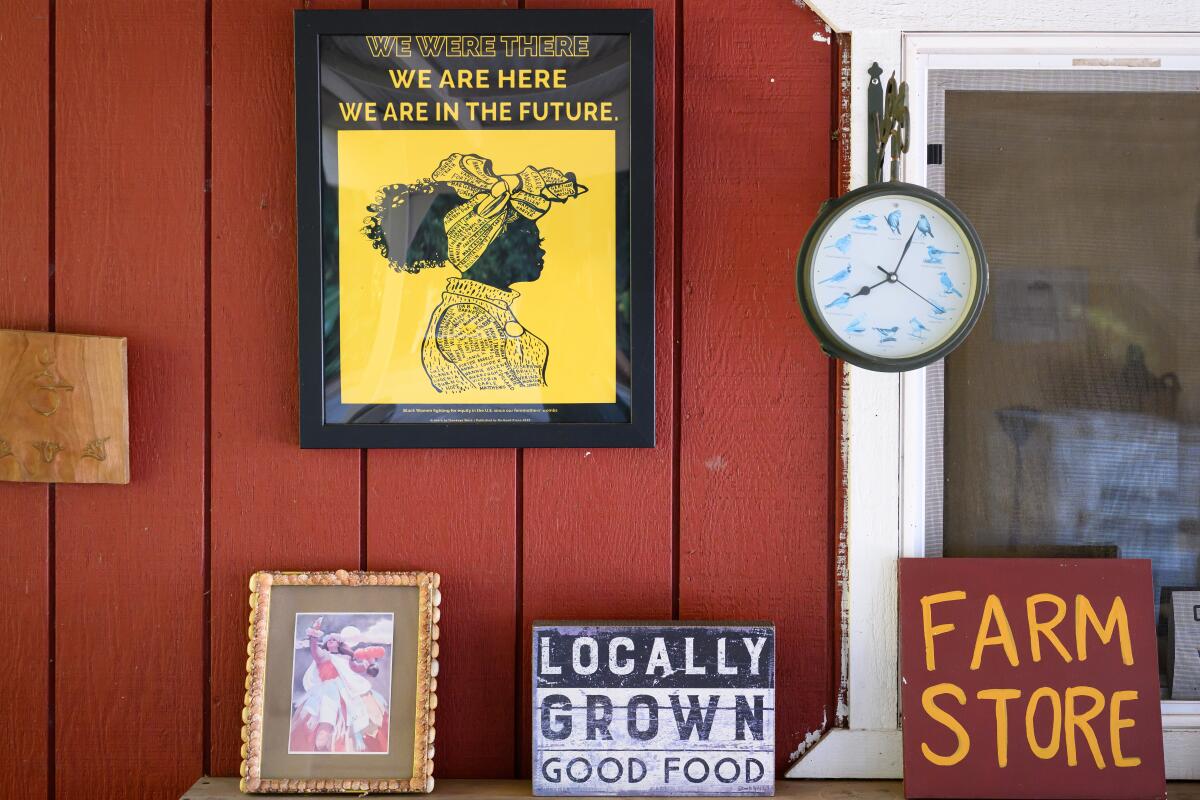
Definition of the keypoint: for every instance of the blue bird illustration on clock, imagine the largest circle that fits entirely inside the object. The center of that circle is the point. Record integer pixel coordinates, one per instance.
(893, 221)
(933, 255)
(842, 245)
(863, 222)
(839, 302)
(948, 287)
(924, 227)
(839, 276)
(887, 334)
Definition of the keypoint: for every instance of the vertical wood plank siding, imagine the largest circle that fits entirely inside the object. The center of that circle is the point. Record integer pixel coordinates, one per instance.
(755, 401)
(130, 241)
(149, 192)
(25, 302)
(271, 502)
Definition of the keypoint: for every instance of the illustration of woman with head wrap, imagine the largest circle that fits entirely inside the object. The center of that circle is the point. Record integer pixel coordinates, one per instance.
(484, 225)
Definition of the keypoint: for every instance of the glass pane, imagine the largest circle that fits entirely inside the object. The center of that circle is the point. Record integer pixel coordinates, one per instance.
(1072, 413)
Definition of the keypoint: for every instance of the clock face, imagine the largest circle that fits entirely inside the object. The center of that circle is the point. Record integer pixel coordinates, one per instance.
(893, 277)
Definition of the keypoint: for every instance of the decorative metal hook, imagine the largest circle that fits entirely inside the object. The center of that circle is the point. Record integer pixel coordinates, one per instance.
(887, 124)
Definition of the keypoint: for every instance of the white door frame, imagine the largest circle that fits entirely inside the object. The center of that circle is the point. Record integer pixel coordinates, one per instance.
(884, 503)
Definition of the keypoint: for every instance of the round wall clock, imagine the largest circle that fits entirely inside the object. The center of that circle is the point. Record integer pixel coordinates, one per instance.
(891, 277)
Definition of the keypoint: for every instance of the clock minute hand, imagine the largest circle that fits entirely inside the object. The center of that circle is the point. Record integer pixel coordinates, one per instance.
(904, 252)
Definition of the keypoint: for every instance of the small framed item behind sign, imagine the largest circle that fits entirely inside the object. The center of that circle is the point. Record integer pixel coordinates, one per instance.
(1183, 635)
(342, 682)
(476, 223)
(653, 708)
(1030, 678)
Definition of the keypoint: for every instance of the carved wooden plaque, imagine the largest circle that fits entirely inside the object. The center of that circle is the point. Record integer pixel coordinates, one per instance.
(64, 408)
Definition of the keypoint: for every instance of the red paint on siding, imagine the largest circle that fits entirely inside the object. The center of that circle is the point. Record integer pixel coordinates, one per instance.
(728, 517)
(755, 426)
(25, 303)
(273, 505)
(129, 257)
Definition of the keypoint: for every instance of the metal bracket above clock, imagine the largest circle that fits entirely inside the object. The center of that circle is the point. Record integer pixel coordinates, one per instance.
(887, 124)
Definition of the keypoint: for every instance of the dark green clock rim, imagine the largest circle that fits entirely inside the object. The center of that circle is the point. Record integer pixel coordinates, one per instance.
(829, 341)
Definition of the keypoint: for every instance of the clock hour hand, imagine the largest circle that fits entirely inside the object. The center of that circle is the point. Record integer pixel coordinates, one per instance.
(867, 289)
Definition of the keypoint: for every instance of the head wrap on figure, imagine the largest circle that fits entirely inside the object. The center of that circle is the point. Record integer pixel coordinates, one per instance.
(470, 217)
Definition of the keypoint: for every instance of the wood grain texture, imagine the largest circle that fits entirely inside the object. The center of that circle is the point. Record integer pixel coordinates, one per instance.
(274, 506)
(130, 261)
(599, 524)
(25, 159)
(454, 512)
(755, 425)
(25, 303)
(64, 408)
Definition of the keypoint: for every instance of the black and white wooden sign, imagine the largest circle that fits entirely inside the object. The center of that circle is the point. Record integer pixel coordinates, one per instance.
(653, 709)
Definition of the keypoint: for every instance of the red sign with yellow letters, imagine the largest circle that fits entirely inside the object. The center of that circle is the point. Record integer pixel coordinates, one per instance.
(1030, 678)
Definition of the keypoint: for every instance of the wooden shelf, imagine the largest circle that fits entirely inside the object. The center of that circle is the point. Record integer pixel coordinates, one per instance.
(227, 788)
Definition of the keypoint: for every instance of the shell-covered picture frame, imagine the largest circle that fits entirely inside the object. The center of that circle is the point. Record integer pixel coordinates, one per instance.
(341, 683)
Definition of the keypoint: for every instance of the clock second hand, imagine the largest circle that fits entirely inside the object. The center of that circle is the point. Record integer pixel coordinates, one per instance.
(936, 307)
(891, 277)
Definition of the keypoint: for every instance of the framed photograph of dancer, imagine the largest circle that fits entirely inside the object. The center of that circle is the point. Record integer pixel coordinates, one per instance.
(476, 228)
(342, 681)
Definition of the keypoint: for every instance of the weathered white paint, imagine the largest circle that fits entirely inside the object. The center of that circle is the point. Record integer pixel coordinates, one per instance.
(811, 738)
(872, 418)
(885, 414)
(1089, 16)
(877, 29)
(879, 754)
(1181, 750)
(853, 753)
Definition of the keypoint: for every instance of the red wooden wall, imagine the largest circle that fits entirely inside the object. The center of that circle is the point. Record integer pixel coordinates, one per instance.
(148, 192)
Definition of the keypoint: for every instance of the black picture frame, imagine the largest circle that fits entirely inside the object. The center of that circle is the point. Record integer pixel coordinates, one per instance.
(829, 341)
(370, 426)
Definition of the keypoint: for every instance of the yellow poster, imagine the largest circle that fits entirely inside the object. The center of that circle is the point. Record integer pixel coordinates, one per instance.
(476, 267)
(476, 229)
